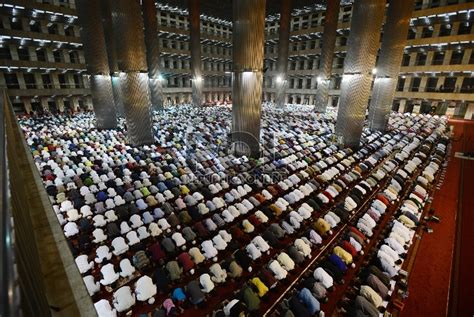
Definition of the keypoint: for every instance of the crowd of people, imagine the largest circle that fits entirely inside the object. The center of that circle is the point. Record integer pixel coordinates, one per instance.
(183, 226)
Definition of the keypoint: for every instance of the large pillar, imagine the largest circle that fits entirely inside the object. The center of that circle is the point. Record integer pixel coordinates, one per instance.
(327, 55)
(388, 66)
(92, 35)
(248, 40)
(106, 7)
(44, 104)
(283, 47)
(358, 65)
(152, 53)
(197, 79)
(60, 104)
(131, 60)
(27, 105)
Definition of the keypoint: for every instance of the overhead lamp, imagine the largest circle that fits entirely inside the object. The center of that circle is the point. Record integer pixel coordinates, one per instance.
(374, 71)
(279, 79)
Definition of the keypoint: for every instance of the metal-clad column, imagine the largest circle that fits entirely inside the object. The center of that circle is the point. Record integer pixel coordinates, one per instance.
(131, 60)
(248, 41)
(388, 66)
(92, 35)
(44, 104)
(152, 53)
(327, 55)
(357, 78)
(106, 7)
(197, 80)
(283, 47)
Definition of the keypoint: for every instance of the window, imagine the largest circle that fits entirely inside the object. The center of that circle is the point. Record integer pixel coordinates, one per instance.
(427, 32)
(445, 30)
(5, 53)
(456, 57)
(29, 80)
(12, 81)
(467, 85)
(47, 81)
(77, 80)
(449, 84)
(465, 28)
(400, 84)
(35, 26)
(420, 59)
(52, 28)
(62, 80)
(74, 57)
(406, 60)
(411, 34)
(438, 58)
(15, 24)
(57, 56)
(41, 54)
(431, 84)
(415, 84)
(23, 54)
(69, 31)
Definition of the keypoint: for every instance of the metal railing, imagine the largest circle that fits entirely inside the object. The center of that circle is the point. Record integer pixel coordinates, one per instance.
(9, 300)
(38, 275)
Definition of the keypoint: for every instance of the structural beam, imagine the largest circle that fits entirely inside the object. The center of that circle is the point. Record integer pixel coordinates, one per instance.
(106, 11)
(388, 65)
(153, 53)
(131, 61)
(358, 66)
(327, 54)
(283, 47)
(95, 52)
(248, 40)
(197, 80)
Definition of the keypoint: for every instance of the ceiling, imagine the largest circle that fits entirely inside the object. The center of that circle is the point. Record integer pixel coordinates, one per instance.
(223, 8)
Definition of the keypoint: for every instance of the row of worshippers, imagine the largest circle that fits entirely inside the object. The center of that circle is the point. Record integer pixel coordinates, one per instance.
(313, 290)
(346, 251)
(101, 198)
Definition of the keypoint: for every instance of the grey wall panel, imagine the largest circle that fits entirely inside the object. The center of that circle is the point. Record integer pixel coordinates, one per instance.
(248, 35)
(248, 40)
(327, 54)
(156, 93)
(118, 99)
(280, 95)
(95, 52)
(106, 13)
(381, 102)
(103, 101)
(137, 107)
(92, 36)
(195, 47)
(390, 58)
(358, 65)
(150, 22)
(352, 108)
(283, 48)
(246, 113)
(364, 37)
(129, 36)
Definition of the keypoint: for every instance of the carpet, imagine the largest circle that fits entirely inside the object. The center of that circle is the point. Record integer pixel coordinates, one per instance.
(430, 278)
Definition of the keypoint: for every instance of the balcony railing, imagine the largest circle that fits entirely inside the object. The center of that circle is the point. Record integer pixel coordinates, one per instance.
(36, 264)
